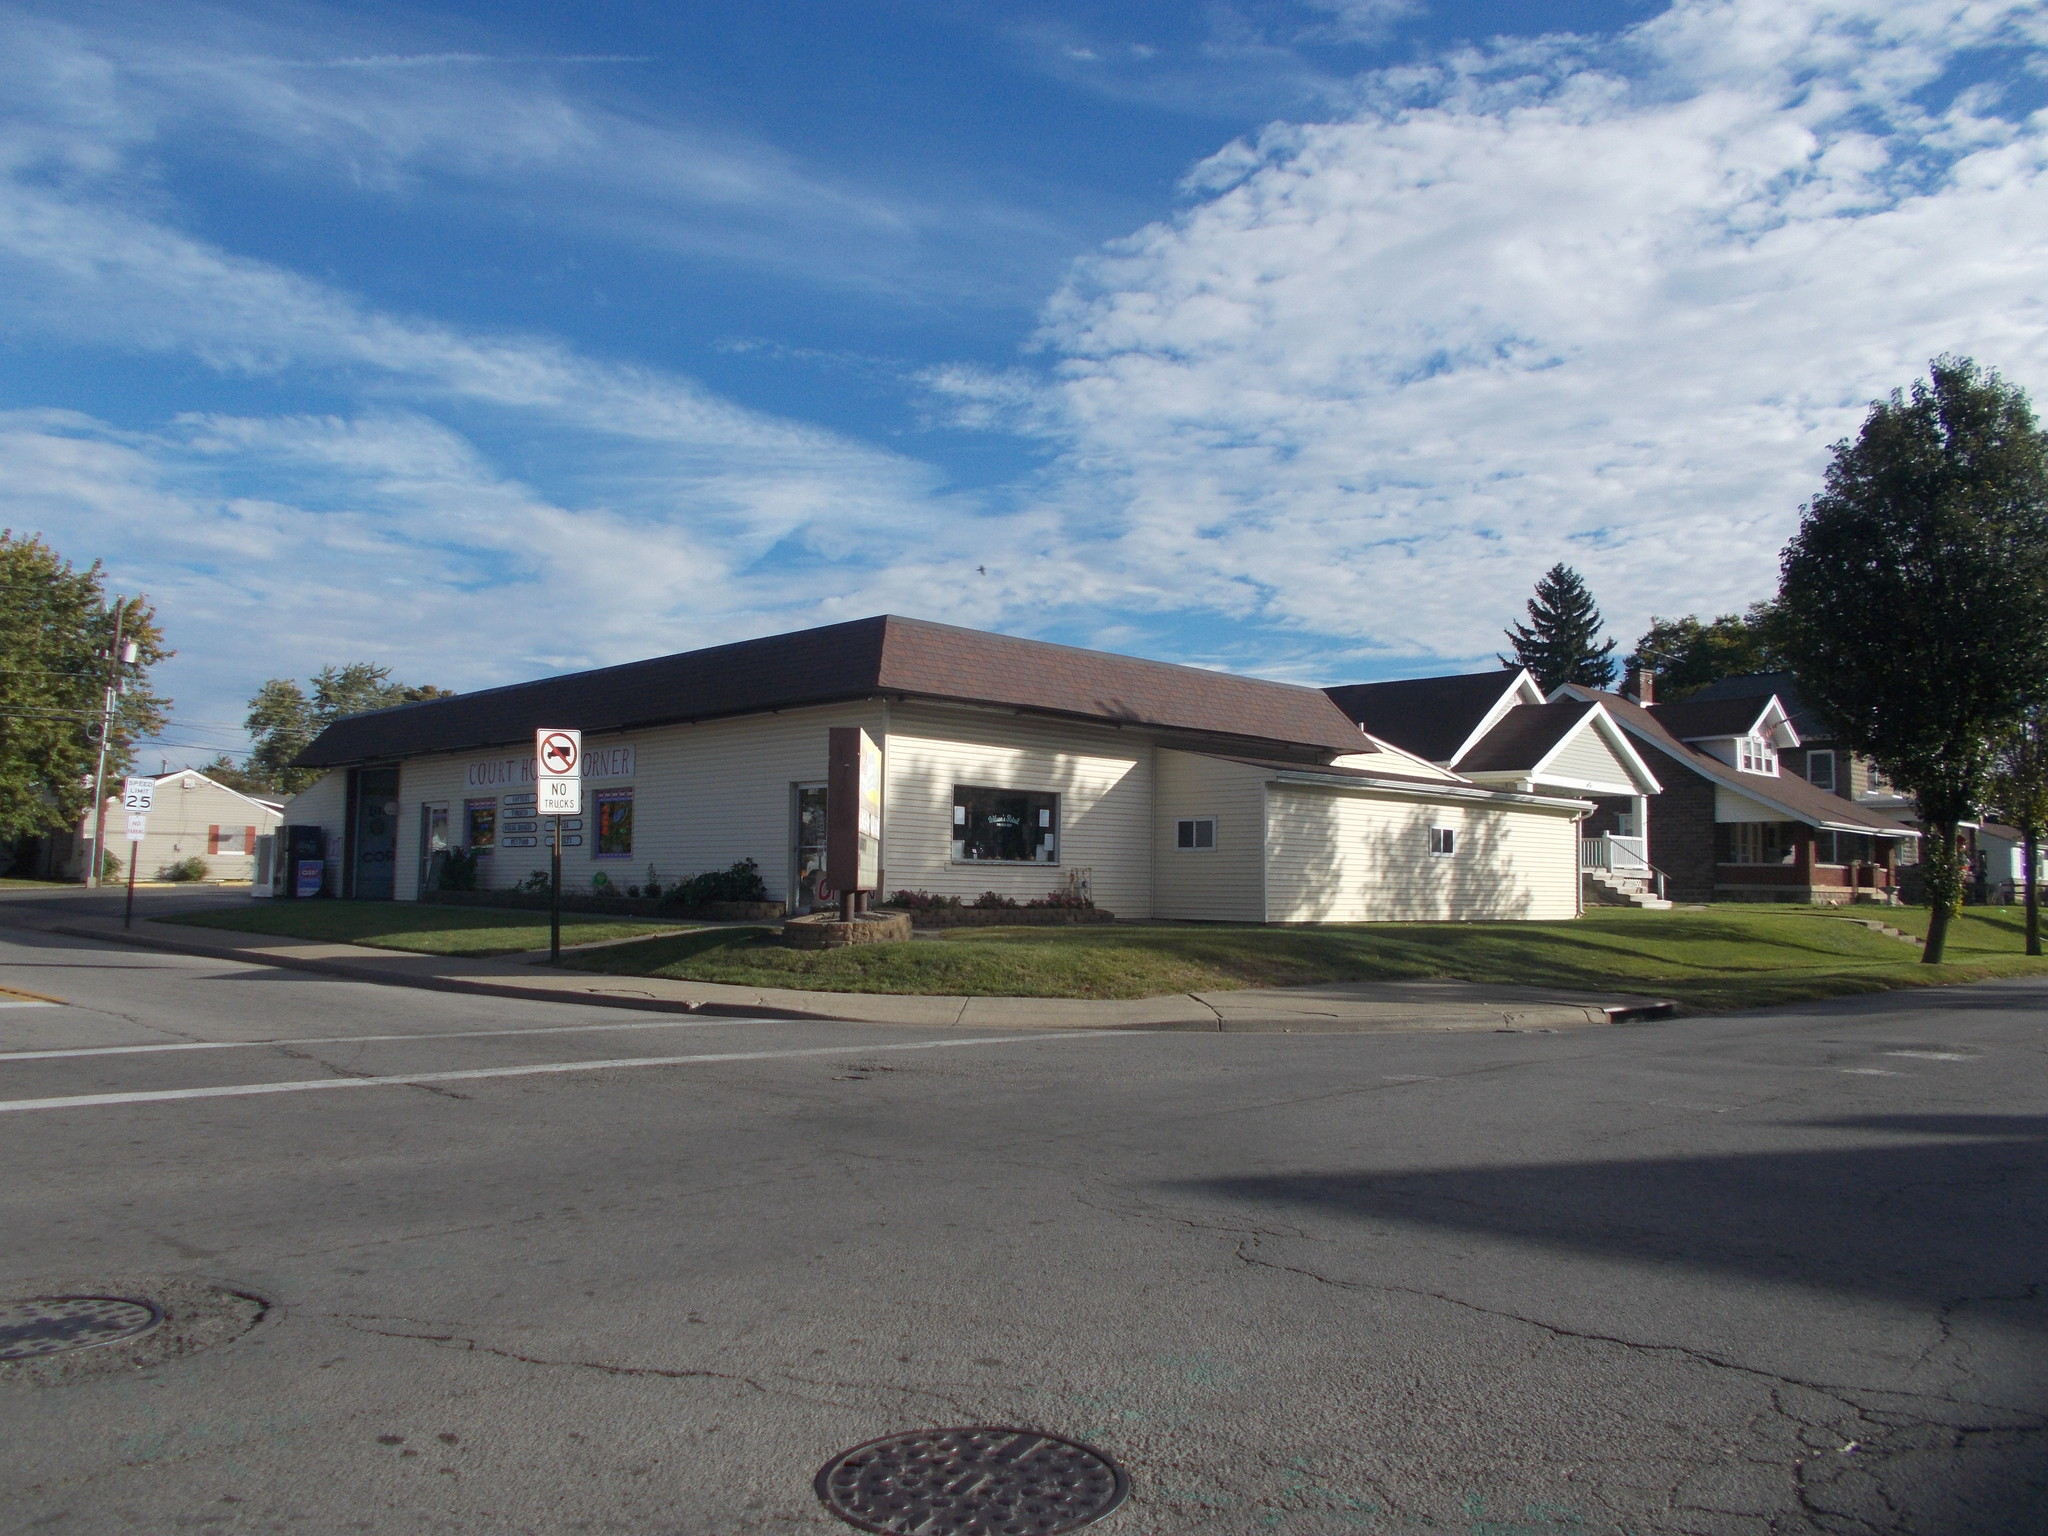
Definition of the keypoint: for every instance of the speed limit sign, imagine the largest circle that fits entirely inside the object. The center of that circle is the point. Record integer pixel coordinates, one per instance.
(558, 768)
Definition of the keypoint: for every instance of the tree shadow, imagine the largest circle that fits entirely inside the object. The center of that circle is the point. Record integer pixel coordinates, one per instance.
(1917, 1222)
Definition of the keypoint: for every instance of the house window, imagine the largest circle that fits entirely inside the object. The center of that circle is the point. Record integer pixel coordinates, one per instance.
(480, 821)
(1443, 841)
(1757, 842)
(230, 839)
(614, 824)
(1757, 756)
(1005, 826)
(1195, 833)
(1820, 770)
(1844, 848)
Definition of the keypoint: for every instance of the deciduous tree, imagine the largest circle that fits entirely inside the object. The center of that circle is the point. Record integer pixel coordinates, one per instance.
(1685, 654)
(283, 720)
(2019, 793)
(1561, 642)
(1915, 597)
(57, 659)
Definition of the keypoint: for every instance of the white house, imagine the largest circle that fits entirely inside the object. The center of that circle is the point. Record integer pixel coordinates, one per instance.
(192, 816)
(1008, 765)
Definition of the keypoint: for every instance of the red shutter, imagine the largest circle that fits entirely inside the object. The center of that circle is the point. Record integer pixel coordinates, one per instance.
(213, 839)
(248, 839)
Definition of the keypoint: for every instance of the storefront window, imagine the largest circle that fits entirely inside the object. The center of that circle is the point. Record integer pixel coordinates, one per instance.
(481, 817)
(1005, 826)
(614, 824)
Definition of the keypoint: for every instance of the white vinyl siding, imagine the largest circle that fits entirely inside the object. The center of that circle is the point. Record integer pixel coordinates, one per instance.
(1344, 856)
(1587, 759)
(1103, 779)
(179, 820)
(1226, 883)
(704, 796)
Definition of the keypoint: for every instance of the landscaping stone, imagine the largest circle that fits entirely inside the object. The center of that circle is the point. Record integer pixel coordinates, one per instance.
(824, 930)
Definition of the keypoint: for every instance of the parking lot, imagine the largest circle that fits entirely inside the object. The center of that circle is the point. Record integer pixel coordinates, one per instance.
(511, 1266)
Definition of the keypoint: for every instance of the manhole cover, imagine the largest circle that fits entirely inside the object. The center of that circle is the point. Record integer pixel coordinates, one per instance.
(971, 1482)
(47, 1324)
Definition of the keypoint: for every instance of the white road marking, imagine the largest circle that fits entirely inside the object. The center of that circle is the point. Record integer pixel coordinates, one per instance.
(452, 1034)
(1852, 1071)
(243, 1090)
(1934, 1055)
(9, 1002)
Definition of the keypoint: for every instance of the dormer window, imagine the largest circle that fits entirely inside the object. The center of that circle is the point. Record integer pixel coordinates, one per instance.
(1756, 755)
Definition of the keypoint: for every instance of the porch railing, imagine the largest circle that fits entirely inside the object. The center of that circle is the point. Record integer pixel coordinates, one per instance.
(1626, 858)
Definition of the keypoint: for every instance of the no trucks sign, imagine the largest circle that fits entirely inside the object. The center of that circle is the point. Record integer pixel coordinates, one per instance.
(558, 771)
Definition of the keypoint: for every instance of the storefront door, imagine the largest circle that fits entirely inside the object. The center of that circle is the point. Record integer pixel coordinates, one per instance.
(375, 834)
(807, 862)
(433, 841)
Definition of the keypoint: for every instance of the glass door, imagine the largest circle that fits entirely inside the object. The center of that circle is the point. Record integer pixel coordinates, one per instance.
(376, 833)
(807, 863)
(433, 844)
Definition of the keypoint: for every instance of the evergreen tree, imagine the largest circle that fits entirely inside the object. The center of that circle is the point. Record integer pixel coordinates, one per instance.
(1685, 654)
(1559, 644)
(1914, 597)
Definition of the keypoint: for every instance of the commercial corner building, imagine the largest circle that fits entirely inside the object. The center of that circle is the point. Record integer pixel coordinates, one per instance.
(1008, 765)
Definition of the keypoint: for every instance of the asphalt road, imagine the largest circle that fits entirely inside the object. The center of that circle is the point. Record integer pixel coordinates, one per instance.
(1778, 1272)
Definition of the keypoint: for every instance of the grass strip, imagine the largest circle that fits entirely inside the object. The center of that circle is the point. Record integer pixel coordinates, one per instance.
(1723, 957)
(403, 925)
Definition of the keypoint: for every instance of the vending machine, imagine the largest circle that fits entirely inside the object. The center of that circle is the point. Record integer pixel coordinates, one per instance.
(302, 867)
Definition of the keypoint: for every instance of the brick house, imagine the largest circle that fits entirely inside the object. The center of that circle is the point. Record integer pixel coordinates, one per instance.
(1733, 824)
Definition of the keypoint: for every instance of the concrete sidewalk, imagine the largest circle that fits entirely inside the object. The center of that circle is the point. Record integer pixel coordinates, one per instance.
(1336, 1008)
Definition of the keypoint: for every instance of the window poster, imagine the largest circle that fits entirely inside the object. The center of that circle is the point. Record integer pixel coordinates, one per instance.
(614, 824)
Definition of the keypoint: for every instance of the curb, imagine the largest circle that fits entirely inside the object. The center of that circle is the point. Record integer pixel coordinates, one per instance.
(1538, 1017)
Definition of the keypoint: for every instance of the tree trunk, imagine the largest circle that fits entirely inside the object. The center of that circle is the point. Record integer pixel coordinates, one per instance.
(1944, 887)
(2031, 851)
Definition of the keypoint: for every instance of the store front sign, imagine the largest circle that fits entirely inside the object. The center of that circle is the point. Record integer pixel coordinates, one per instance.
(516, 773)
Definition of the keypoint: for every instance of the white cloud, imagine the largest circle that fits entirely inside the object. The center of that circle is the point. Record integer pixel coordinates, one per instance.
(1608, 305)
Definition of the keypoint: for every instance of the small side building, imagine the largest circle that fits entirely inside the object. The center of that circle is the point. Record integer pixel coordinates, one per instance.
(192, 816)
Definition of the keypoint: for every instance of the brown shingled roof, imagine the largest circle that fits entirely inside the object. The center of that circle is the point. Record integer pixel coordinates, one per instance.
(1429, 716)
(1520, 739)
(887, 655)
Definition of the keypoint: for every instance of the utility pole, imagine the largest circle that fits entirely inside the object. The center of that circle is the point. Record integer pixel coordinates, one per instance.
(99, 773)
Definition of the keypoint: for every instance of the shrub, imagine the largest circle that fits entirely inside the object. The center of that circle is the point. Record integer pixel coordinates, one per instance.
(994, 901)
(922, 901)
(539, 883)
(1066, 897)
(458, 870)
(110, 865)
(186, 869)
(742, 882)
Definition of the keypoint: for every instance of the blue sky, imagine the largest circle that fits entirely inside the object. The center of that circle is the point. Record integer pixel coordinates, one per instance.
(1294, 338)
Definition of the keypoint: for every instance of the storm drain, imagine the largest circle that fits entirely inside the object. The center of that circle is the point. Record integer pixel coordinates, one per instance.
(48, 1325)
(971, 1482)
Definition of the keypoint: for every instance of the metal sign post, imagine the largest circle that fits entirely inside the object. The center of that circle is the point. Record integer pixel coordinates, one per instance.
(558, 770)
(137, 796)
(138, 828)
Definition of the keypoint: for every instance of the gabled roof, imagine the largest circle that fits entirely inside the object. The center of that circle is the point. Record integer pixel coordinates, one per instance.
(1700, 719)
(1526, 740)
(1794, 797)
(1784, 686)
(867, 658)
(1436, 718)
(273, 806)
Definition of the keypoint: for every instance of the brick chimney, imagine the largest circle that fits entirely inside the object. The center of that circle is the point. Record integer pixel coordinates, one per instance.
(1644, 687)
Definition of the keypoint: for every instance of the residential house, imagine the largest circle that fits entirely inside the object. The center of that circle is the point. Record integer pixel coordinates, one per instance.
(1496, 728)
(1732, 824)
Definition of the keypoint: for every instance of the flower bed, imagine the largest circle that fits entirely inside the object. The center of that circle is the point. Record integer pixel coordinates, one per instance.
(614, 906)
(1001, 917)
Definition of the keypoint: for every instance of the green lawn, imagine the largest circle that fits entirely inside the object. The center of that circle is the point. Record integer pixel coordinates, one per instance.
(1721, 957)
(426, 930)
